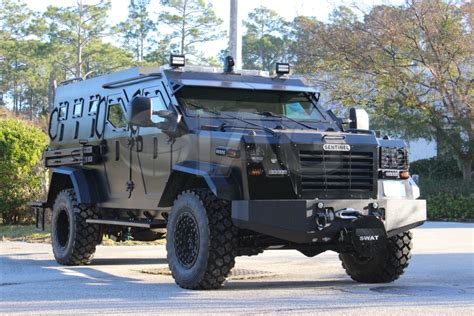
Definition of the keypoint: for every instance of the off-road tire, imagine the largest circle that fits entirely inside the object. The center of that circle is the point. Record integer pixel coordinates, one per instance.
(205, 263)
(383, 268)
(74, 241)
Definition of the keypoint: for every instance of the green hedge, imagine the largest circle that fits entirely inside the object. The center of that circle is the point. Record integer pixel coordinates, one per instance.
(448, 196)
(436, 168)
(451, 206)
(22, 178)
(433, 187)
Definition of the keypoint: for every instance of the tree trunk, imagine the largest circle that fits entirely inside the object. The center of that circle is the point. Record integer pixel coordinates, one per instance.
(138, 50)
(31, 106)
(51, 90)
(182, 38)
(141, 49)
(7, 218)
(467, 168)
(15, 98)
(183, 27)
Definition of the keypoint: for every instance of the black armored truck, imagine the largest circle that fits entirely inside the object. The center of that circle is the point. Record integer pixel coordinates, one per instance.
(224, 163)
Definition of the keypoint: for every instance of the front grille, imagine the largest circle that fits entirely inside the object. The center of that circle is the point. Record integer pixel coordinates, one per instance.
(332, 174)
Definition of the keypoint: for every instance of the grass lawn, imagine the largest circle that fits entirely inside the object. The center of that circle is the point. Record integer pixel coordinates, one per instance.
(29, 233)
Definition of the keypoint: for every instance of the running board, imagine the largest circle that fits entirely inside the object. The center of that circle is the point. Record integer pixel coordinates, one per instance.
(119, 222)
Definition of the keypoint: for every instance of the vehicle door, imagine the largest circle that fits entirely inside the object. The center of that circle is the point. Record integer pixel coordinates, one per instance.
(153, 148)
(117, 163)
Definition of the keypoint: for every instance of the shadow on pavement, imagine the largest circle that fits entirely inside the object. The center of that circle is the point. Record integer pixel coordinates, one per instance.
(445, 225)
(29, 285)
(126, 261)
(421, 267)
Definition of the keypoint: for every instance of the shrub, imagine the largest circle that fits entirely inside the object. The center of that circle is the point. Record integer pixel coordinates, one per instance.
(436, 168)
(22, 177)
(447, 195)
(448, 198)
(448, 206)
(432, 187)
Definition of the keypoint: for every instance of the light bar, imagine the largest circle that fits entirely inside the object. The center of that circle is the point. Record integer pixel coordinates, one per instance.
(177, 61)
(282, 68)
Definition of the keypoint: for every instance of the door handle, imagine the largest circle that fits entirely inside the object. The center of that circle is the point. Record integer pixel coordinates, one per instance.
(139, 142)
(155, 147)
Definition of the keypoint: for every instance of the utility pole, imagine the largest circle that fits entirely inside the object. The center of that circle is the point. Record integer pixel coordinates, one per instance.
(235, 34)
(79, 42)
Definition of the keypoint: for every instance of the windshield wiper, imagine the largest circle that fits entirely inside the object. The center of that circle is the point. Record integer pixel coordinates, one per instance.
(271, 114)
(223, 125)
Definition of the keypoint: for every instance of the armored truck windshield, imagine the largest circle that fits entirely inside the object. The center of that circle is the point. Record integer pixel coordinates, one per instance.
(197, 101)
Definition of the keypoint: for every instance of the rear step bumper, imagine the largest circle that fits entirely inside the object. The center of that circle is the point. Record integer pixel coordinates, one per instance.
(297, 220)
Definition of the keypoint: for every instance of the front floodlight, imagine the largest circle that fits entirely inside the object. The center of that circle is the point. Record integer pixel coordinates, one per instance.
(177, 61)
(282, 69)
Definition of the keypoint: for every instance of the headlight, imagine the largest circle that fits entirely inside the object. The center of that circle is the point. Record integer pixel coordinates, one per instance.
(256, 154)
(394, 158)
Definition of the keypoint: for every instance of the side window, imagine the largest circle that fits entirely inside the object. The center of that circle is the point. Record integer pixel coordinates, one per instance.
(116, 116)
(77, 109)
(63, 107)
(93, 104)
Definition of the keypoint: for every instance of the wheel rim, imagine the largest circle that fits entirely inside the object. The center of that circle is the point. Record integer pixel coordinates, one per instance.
(186, 240)
(62, 228)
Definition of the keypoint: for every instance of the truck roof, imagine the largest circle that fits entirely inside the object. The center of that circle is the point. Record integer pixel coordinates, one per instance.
(177, 78)
(236, 81)
(115, 76)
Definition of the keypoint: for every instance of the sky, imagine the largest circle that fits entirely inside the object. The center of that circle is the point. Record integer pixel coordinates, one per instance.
(286, 8)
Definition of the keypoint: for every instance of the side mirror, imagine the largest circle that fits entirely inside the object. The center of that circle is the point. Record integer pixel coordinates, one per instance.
(170, 124)
(139, 112)
(340, 121)
(359, 119)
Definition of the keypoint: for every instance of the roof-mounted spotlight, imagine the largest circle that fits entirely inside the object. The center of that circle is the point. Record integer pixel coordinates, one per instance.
(177, 61)
(282, 69)
(229, 64)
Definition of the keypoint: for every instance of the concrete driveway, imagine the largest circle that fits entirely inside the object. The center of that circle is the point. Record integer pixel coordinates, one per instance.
(134, 280)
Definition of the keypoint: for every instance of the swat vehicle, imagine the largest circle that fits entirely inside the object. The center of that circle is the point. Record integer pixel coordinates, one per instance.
(228, 163)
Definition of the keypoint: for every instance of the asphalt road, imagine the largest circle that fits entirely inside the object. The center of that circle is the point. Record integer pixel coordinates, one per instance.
(134, 280)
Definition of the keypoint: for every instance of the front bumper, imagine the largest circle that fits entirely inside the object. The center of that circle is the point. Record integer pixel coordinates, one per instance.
(295, 220)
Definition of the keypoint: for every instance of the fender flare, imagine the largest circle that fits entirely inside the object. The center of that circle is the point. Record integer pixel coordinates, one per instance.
(224, 181)
(85, 183)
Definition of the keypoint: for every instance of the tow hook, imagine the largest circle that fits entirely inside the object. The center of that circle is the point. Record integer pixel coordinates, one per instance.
(324, 217)
(348, 214)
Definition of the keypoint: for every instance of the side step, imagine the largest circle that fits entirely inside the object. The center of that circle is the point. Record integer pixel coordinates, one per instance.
(123, 222)
(39, 207)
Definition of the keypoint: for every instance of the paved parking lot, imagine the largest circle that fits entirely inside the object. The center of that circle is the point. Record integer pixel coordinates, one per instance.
(124, 280)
